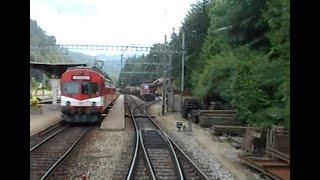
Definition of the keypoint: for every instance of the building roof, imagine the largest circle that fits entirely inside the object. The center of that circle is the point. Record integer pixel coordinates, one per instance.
(56, 69)
(160, 81)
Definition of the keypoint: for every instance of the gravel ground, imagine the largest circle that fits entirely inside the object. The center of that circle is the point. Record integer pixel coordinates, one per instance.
(201, 157)
(96, 156)
(217, 159)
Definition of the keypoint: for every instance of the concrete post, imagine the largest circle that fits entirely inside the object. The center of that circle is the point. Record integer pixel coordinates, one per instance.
(54, 87)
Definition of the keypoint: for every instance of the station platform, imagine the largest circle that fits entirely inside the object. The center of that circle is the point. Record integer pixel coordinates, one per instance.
(115, 120)
(50, 116)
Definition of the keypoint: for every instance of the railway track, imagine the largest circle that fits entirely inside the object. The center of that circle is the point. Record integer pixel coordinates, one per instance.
(47, 154)
(156, 156)
(41, 137)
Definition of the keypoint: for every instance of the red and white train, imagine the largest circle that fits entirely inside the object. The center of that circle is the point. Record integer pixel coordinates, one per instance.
(86, 92)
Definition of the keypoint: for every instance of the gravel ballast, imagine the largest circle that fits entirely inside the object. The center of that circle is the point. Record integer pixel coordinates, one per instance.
(96, 156)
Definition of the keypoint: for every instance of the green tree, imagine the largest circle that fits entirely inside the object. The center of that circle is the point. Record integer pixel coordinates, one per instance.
(245, 60)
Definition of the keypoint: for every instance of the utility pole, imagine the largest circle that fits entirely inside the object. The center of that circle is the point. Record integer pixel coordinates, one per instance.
(169, 80)
(121, 59)
(164, 79)
(182, 67)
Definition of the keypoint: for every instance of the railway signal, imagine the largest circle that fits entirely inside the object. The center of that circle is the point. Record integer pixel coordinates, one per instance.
(179, 125)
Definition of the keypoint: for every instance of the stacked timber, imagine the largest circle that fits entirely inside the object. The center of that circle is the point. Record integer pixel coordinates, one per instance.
(254, 141)
(207, 118)
(278, 143)
(229, 130)
(276, 161)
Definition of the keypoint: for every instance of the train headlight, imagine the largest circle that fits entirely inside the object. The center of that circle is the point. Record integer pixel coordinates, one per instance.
(68, 103)
(93, 104)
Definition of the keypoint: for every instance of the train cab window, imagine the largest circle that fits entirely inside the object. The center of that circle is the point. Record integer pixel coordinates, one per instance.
(71, 88)
(89, 88)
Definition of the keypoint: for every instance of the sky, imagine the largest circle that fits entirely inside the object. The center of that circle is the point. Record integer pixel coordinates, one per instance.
(110, 22)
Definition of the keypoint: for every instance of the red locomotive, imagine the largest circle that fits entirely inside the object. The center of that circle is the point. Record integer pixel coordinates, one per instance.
(86, 92)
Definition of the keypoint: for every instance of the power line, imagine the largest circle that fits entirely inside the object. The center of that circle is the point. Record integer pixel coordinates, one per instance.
(158, 49)
(59, 12)
(140, 63)
(137, 72)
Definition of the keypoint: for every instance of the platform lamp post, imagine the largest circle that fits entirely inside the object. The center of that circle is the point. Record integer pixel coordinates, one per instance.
(164, 86)
(54, 87)
(153, 61)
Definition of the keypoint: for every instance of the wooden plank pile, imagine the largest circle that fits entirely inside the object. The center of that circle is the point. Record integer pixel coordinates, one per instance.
(278, 143)
(221, 122)
(275, 162)
(208, 118)
(229, 130)
(254, 141)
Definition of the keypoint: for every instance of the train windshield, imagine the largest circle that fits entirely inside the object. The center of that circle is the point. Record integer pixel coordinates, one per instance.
(71, 88)
(89, 88)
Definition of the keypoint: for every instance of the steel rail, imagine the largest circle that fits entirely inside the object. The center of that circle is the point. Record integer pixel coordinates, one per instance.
(64, 155)
(146, 156)
(176, 160)
(172, 142)
(133, 161)
(46, 139)
(138, 137)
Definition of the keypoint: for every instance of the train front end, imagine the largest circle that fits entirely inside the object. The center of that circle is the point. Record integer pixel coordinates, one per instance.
(147, 92)
(82, 100)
